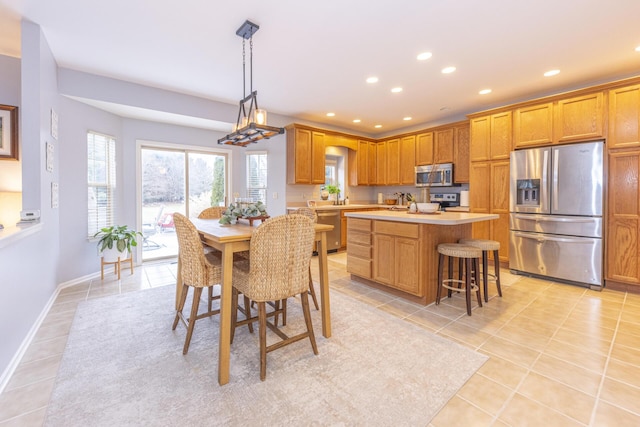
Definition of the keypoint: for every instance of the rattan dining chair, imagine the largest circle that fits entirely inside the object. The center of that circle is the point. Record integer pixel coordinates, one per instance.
(313, 215)
(212, 212)
(197, 271)
(280, 253)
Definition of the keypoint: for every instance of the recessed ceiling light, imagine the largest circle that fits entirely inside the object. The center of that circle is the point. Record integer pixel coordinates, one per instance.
(396, 90)
(484, 91)
(638, 49)
(406, 119)
(448, 70)
(331, 114)
(444, 108)
(423, 56)
(356, 120)
(372, 79)
(551, 73)
(377, 126)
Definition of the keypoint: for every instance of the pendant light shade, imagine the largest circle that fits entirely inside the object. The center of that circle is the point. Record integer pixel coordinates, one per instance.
(251, 124)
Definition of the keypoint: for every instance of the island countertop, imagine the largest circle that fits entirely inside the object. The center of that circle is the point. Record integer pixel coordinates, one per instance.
(441, 218)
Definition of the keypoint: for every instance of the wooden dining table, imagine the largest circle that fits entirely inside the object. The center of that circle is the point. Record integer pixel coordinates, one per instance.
(235, 238)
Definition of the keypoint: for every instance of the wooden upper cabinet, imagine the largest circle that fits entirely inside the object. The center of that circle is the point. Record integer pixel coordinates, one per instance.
(359, 164)
(533, 125)
(443, 146)
(461, 154)
(480, 139)
(393, 161)
(407, 160)
(624, 117)
(579, 118)
(424, 149)
(373, 159)
(381, 163)
(501, 136)
(305, 156)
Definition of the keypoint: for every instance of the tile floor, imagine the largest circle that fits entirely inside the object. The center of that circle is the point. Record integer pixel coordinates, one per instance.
(560, 355)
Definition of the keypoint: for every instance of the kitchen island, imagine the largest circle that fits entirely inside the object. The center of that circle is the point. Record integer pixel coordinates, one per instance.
(397, 251)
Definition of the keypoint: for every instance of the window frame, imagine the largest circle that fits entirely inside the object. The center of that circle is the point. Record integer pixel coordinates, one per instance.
(251, 189)
(100, 212)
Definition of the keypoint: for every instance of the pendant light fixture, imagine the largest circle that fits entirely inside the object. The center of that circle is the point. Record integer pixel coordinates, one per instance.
(251, 126)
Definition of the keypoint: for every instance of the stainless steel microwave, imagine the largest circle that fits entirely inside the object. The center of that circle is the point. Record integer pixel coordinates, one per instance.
(440, 175)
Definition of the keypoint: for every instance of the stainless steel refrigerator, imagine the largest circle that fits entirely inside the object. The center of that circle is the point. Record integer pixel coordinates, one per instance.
(556, 205)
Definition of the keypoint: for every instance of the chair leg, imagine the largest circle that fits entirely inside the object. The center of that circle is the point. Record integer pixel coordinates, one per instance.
(234, 312)
(307, 319)
(247, 310)
(485, 275)
(496, 264)
(183, 299)
(475, 268)
(262, 318)
(312, 291)
(284, 312)
(197, 292)
(210, 299)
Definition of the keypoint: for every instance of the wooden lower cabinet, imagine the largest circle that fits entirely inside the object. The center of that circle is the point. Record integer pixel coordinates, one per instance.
(359, 253)
(396, 256)
(622, 251)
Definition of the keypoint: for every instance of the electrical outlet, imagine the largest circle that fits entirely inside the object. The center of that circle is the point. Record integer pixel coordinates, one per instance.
(275, 195)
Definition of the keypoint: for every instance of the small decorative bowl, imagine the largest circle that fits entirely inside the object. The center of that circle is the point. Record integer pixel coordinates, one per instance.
(428, 207)
(391, 201)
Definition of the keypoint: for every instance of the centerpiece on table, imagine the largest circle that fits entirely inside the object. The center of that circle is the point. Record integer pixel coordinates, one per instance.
(244, 210)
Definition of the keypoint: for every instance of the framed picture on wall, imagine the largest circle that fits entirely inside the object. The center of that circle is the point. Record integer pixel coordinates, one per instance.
(8, 132)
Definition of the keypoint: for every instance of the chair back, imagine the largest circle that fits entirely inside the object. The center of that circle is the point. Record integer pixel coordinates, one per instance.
(309, 213)
(191, 253)
(212, 212)
(280, 255)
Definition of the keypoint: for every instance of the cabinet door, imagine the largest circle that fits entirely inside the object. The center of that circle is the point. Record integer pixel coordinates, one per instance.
(373, 168)
(393, 161)
(480, 196)
(501, 136)
(579, 118)
(622, 257)
(461, 155)
(407, 160)
(383, 259)
(443, 146)
(624, 117)
(299, 154)
(533, 126)
(407, 274)
(381, 163)
(359, 164)
(500, 206)
(480, 139)
(317, 158)
(424, 149)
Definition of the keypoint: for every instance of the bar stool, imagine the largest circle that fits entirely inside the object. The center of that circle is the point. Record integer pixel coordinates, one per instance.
(486, 246)
(470, 256)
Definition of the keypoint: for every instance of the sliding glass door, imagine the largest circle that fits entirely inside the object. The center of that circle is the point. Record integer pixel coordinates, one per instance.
(176, 180)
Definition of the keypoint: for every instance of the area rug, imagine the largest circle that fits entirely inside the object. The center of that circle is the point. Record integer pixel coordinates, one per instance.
(123, 366)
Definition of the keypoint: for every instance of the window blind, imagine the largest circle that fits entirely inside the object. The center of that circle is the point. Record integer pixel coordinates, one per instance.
(101, 181)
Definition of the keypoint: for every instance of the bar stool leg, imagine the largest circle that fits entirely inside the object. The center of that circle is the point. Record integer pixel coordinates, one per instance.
(496, 264)
(440, 269)
(485, 275)
(475, 269)
(450, 275)
(467, 284)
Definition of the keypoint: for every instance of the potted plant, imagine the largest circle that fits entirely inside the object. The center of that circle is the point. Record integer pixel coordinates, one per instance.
(116, 241)
(243, 210)
(333, 189)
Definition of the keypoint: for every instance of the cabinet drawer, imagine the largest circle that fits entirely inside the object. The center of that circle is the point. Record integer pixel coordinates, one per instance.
(359, 266)
(396, 229)
(358, 224)
(358, 238)
(360, 251)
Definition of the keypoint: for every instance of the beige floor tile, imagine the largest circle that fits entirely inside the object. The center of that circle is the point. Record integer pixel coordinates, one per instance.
(628, 340)
(25, 399)
(624, 372)
(632, 316)
(572, 375)
(63, 307)
(569, 353)
(399, 308)
(609, 415)
(374, 298)
(588, 343)
(428, 319)
(467, 334)
(33, 372)
(539, 327)
(620, 394)
(521, 411)
(482, 323)
(511, 351)
(583, 321)
(626, 354)
(71, 297)
(523, 337)
(30, 419)
(503, 372)
(447, 311)
(43, 349)
(79, 287)
(629, 328)
(459, 412)
(53, 330)
(558, 396)
(486, 394)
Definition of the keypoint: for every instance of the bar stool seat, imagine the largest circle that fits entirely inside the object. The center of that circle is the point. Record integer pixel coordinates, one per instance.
(464, 253)
(486, 246)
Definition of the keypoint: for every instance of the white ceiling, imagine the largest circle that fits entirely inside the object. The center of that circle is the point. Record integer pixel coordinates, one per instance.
(313, 57)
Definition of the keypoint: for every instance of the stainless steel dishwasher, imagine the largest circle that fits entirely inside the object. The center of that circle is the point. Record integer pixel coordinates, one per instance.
(331, 218)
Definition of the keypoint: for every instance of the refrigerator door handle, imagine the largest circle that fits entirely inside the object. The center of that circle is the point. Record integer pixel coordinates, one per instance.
(547, 238)
(551, 219)
(554, 180)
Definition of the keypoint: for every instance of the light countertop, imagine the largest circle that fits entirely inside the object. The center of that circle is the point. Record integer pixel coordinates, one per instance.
(330, 207)
(443, 218)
